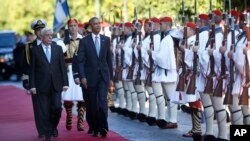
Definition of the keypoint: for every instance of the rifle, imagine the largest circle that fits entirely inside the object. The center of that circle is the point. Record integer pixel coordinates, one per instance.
(138, 76)
(244, 97)
(196, 17)
(219, 87)
(224, 14)
(228, 97)
(131, 68)
(119, 68)
(182, 76)
(102, 27)
(210, 9)
(209, 84)
(192, 84)
(151, 61)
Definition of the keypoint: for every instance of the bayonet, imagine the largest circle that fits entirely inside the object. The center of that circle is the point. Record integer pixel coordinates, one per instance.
(183, 14)
(195, 12)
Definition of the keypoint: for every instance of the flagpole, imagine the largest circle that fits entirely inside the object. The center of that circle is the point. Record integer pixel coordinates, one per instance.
(97, 8)
(68, 8)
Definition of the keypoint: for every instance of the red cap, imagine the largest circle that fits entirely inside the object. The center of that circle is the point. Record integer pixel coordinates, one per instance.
(146, 21)
(217, 12)
(235, 13)
(242, 17)
(155, 20)
(80, 25)
(166, 19)
(248, 9)
(204, 17)
(191, 25)
(72, 20)
(140, 21)
(116, 24)
(128, 24)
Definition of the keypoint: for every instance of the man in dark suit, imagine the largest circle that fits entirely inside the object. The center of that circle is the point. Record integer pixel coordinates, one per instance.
(48, 79)
(95, 71)
(37, 25)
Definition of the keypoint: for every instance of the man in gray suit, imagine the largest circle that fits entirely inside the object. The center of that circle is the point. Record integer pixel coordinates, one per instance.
(48, 79)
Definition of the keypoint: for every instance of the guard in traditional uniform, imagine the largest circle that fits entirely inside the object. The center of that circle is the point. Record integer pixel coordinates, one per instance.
(234, 107)
(153, 38)
(115, 61)
(203, 67)
(136, 27)
(127, 48)
(168, 67)
(138, 70)
(74, 92)
(165, 74)
(143, 116)
(193, 99)
(116, 43)
(218, 97)
(37, 25)
(241, 43)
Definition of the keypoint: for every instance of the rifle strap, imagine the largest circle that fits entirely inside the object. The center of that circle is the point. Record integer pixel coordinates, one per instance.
(243, 34)
(218, 30)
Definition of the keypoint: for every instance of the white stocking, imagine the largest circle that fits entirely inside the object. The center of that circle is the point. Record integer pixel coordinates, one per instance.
(236, 112)
(133, 96)
(208, 112)
(152, 102)
(141, 98)
(128, 96)
(221, 116)
(157, 89)
(169, 91)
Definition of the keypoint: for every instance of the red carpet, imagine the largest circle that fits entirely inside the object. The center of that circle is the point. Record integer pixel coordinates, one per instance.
(17, 121)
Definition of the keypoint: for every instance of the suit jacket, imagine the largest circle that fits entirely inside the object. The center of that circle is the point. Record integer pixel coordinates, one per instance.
(45, 75)
(91, 66)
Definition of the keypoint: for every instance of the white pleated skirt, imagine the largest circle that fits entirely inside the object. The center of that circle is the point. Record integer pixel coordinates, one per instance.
(74, 92)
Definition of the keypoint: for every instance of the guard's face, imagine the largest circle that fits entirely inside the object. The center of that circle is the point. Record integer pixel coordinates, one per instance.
(127, 30)
(190, 32)
(163, 26)
(95, 26)
(47, 38)
(73, 28)
(146, 27)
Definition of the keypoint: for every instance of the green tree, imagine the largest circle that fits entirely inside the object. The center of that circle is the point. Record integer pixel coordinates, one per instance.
(18, 14)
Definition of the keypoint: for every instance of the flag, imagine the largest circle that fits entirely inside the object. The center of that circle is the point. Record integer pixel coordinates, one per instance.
(61, 14)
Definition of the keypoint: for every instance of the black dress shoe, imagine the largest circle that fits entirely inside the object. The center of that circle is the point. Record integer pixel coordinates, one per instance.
(48, 138)
(41, 136)
(103, 132)
(95, 133)
(90, 131)
(54, 133)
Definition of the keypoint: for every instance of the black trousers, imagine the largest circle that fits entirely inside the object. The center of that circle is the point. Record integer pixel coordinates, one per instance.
(38, 121)
(49, 110)
(97, 106)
